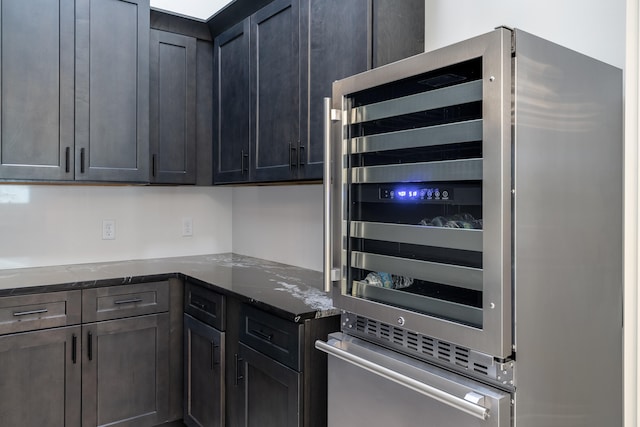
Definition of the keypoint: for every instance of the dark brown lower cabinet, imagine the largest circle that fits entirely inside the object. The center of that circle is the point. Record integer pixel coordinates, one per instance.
(40, 378)
(271, 392)
(276, 377)
(112, 370)
(125, 370)
(204, 367)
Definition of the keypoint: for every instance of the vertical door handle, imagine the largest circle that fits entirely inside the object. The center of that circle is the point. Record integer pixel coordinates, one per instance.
(153, 165)
(213, 355)
(74, 348)
(293, 158)
(331, 273)
(245, 157)
(67, 159)
(238, 376)
(82, 160)
(90, 345)
(300, 155)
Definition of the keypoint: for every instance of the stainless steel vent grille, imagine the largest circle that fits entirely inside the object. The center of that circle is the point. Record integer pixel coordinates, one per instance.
(429, 348)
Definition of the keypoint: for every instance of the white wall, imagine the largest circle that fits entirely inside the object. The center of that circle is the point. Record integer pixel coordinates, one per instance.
(48, 225)
(595, 28)
(281, 223)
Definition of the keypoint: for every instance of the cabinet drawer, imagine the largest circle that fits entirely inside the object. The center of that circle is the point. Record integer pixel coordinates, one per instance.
(115, 302)
(205, 305)
(39, 311)
(273, 336)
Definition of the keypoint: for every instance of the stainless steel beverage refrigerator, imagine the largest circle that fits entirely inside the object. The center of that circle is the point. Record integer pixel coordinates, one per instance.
(473, 238)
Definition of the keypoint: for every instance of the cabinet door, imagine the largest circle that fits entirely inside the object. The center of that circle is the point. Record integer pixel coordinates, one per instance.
(231, 106)
(334, 41)
(271, 391)
(204, 367)
(40, 378)
(125, 372)
(204, 112)
(233, 383)
(112, 90)
(172, 109)
(36, 89)
(398, 30)
(275, 91)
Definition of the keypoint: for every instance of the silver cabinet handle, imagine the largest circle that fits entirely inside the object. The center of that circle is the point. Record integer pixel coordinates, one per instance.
(128, 301)
(408, 382)
(26, 313)
(330, 274)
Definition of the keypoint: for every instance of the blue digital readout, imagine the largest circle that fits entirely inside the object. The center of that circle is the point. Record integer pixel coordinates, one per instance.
(403, 193)
(407, 194)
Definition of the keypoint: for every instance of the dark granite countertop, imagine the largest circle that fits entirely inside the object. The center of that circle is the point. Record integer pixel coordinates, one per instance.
(291, 292)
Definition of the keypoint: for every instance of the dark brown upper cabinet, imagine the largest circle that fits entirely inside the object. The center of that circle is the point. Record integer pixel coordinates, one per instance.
(180, 100)
(75, 90)
(273, 69)
(112, 90)
(335, 35)
(231, 128)
(398, 30)
(275, 92)
(36, 90)
(172, 108)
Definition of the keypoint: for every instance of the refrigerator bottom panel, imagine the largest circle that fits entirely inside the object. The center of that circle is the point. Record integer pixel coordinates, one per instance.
(372, 386)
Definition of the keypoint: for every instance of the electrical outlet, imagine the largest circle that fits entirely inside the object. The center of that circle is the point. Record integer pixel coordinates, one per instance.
(108, 229)
(187, 227)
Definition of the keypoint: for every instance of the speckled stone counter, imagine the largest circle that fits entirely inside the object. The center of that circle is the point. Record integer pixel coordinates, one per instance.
(291, 292)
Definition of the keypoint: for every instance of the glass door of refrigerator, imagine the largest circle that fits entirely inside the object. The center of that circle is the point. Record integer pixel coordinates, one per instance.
(426, 206)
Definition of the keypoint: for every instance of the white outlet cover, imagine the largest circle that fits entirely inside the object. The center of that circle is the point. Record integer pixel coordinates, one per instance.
(187, 227)
(108, 229)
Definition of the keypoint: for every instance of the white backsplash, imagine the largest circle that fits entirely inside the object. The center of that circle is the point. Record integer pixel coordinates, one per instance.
(44, 225)
(279, 223)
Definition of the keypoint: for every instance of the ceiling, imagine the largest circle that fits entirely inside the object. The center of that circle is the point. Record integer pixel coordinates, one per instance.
(200, 9)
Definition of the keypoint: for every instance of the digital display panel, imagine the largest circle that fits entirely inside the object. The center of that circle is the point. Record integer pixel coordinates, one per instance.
(415, 193)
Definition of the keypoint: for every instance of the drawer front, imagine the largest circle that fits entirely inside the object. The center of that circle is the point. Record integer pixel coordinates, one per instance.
(273, 336)
(205, 305)
(39, 311)
(116, 302)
